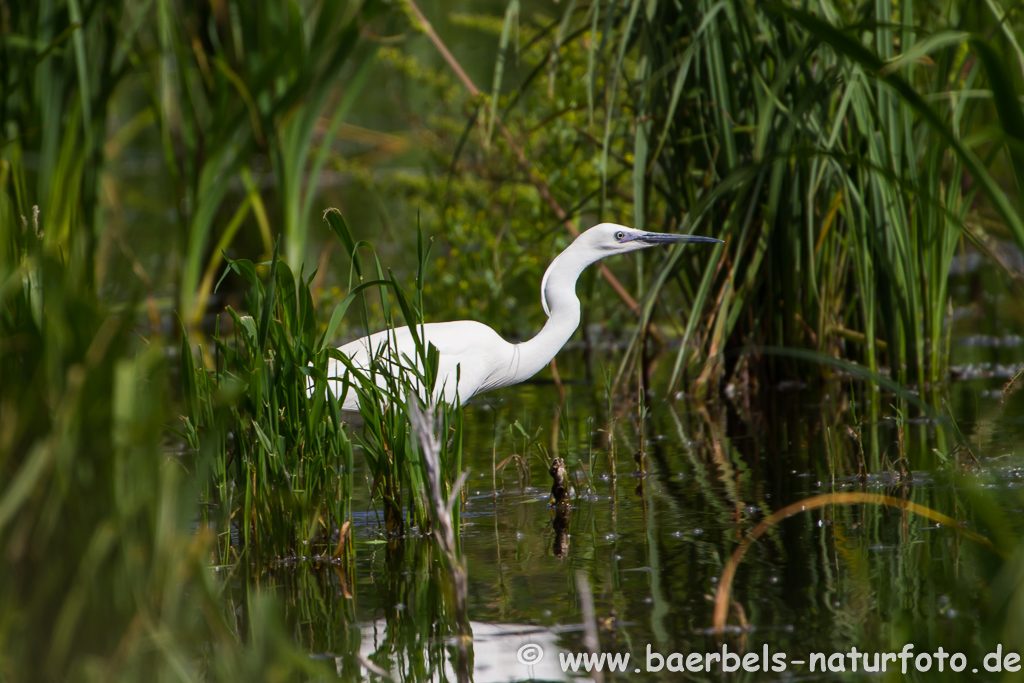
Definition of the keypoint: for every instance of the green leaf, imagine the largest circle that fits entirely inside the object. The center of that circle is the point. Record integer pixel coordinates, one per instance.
(511, 19)
(930, 44)
(1005, 98)
(268, 303)
(263, 439)
(337, 223)
(332, 326)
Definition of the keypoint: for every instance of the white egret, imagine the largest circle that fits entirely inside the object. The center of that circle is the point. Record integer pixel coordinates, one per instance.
(476, 354)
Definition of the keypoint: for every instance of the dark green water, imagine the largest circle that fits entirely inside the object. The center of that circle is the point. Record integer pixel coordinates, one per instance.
(651, 544)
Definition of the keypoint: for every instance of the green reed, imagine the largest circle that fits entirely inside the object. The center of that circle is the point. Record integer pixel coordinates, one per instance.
(842, 166)
(257, 84)
(60, 63)
(282, 463)
(218, 89)
(107, 536)
(845, 154)
(386, 388)
(285, 458)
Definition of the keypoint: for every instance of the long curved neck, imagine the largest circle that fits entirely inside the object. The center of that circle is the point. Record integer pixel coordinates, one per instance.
(559, 292)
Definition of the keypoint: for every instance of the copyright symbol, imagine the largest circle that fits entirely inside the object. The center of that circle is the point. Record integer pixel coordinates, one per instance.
(530, 654)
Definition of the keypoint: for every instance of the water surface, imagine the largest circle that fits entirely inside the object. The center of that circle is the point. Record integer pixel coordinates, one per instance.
(661, 504)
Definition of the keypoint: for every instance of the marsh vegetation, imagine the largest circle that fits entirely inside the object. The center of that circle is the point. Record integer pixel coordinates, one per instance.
(199, 201)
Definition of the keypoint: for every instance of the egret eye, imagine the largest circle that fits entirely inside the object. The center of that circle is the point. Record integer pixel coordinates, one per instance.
(620, 235)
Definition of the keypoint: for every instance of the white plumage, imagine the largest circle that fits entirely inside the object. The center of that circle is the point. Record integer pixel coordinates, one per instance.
(476, 354)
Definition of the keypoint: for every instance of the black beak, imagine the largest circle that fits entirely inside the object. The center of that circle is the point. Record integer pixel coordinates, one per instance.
(668, 238)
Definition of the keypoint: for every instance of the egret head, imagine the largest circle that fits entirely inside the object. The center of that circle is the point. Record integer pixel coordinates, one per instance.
(602, 240)
(610, 238)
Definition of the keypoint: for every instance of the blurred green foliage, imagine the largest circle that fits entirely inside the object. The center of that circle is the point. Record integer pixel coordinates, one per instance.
(496, 233)
(224, 97)
(106, 575)
(106, 568)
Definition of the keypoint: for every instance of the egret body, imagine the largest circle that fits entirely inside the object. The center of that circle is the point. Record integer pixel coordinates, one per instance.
(473, 357)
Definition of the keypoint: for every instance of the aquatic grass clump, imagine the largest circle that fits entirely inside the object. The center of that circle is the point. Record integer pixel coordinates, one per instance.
(389, 390)
(281, 463)
(393, 453)
(283, 457)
